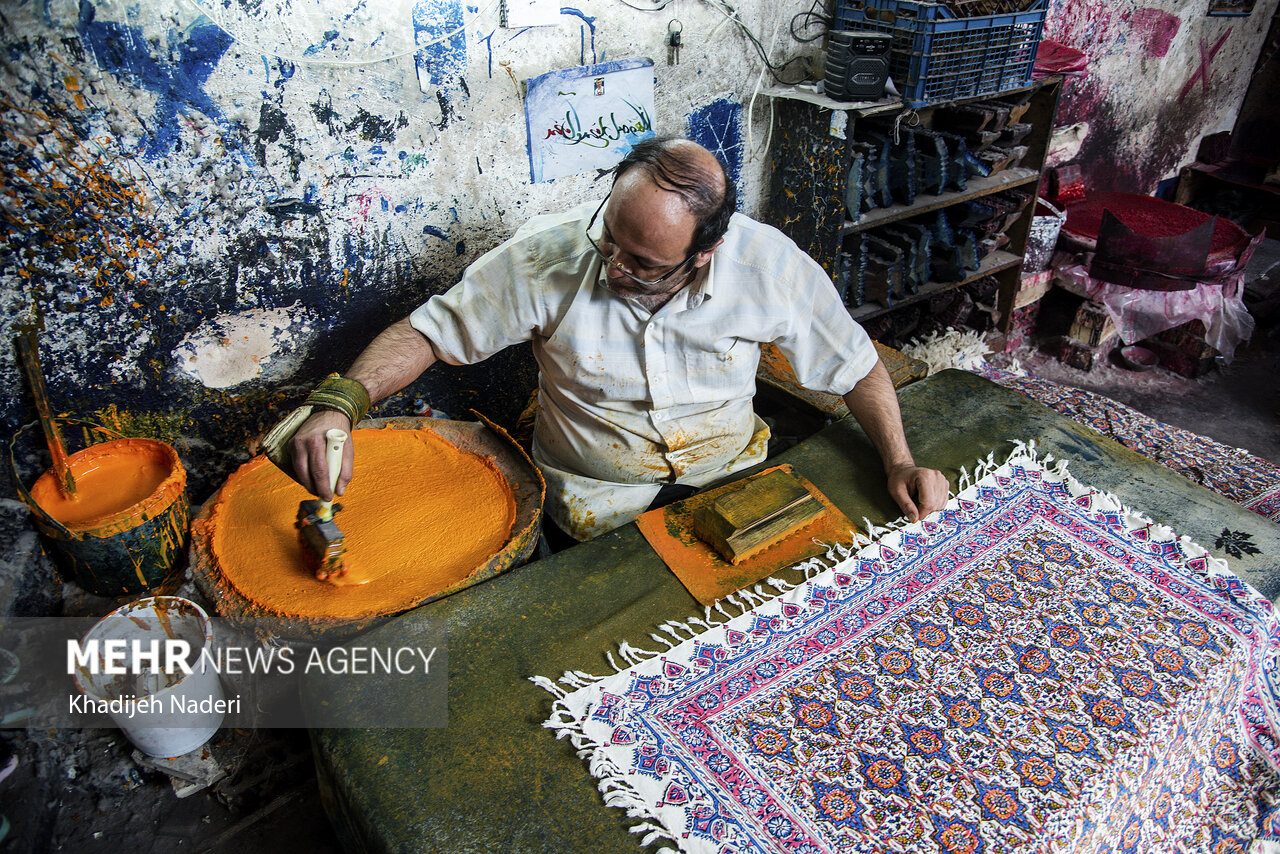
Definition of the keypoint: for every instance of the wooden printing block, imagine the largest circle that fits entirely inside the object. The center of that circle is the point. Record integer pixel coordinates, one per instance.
(881, 196)
(984, 290)
(1017, 201)
(953, 256)
(946, 263)
(871, 163)
(762, 513)
(1001, 118)
(1014, 133)
(844, 273)
(883, 282)
(974, 212)
(974, 166)
(987, 245)
(854, 187)
(1092, 325)
(900, 173)
(997, 159)
(964, 118)
(923, 236)
(967, 241)
(934, 159)
(903, 168)
(855, 287)
(982, 140)
(951, 308)
(1076, 354)
(957, 153)
(915, 258)
(940, 225)
(1016, 110)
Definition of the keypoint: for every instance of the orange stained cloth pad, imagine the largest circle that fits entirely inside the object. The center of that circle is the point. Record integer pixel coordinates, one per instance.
(419, 516)
(111, 478)
(707, 575)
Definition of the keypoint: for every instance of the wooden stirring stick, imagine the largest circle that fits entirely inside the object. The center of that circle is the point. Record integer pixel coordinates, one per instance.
(29, 356)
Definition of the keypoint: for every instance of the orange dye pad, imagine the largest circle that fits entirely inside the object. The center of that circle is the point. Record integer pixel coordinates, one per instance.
(419, 516)
(710, 577)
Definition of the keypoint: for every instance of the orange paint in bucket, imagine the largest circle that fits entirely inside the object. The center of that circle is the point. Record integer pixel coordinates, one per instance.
(116, 483)
(127, 525)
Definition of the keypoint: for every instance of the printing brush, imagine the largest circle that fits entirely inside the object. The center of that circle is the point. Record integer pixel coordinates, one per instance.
(322, 542)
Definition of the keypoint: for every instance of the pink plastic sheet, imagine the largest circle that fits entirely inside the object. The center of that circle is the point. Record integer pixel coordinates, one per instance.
(1139, 314)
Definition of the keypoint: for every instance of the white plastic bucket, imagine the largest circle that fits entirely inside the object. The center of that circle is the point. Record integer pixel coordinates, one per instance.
(162, 724)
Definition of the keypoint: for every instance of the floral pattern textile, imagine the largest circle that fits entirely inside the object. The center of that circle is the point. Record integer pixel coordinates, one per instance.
(1031, 669)
(1231, 472)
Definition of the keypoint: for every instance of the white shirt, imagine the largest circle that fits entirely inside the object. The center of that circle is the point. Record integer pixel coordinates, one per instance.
(630, 400)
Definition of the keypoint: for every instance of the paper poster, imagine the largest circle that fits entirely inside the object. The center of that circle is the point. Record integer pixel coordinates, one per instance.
(587, 118)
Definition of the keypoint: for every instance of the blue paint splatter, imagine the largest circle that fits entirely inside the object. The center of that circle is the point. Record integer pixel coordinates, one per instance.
(718, 128)
(435, 232)
(178, 86)
(443, 57)
(582, 36)
(488, 45)
(330, 37)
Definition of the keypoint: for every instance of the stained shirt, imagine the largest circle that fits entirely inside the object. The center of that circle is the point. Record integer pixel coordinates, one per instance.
(628, 399)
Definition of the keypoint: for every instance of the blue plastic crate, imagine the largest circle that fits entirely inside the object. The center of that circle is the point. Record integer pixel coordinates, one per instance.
(936, 56)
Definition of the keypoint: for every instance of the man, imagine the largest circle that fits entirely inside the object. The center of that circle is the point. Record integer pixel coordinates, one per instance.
(647, 312)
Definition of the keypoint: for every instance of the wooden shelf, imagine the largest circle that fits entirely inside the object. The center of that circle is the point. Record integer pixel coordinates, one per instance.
(1007, 179)
(809, 172)
(808, 93)
(992, 263)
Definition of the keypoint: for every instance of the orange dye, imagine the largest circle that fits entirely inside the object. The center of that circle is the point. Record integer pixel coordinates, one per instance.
(112, 478)
(419, 516)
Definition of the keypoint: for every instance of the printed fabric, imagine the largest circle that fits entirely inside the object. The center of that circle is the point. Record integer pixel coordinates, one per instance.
(1034, 668)
(1233, 473)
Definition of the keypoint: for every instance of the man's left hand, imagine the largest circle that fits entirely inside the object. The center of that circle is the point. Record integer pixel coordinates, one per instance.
(918, 491)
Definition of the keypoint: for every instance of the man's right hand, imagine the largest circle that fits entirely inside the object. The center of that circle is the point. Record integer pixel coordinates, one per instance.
(307, 452)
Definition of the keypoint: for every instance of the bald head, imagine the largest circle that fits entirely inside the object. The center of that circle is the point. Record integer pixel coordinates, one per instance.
(688, 170)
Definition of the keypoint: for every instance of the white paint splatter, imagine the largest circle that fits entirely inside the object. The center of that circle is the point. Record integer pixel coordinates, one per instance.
(234, 348)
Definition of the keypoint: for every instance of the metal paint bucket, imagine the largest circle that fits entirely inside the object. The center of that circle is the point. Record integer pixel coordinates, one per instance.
(160, 724)
(125, 551)
(1046, 222)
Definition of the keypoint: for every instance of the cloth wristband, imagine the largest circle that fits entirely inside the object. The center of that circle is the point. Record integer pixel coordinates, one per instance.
(347, 396)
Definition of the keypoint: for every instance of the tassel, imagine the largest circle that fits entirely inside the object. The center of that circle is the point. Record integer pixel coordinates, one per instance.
(547, 685)
(660, 639)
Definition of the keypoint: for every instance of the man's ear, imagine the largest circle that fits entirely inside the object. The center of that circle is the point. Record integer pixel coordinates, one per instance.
(704, 257)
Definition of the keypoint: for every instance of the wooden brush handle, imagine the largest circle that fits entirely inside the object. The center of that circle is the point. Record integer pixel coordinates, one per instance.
(29, 358)
(334, 440)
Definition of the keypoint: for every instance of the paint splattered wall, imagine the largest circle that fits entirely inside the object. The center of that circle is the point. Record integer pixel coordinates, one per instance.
(1162, 74)
(207, 206)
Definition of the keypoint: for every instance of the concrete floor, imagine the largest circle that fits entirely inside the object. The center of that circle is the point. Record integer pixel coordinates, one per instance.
(80, 791)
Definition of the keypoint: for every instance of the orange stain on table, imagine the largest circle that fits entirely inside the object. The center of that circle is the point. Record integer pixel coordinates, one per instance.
(112, 479)
(418, 517)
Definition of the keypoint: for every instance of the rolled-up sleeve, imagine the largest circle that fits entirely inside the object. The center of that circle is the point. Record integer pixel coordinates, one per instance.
(492, 307)
(828, 349)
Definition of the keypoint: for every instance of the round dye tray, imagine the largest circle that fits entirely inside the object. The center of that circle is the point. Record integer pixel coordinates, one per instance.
(1152, 217)
(479, 437)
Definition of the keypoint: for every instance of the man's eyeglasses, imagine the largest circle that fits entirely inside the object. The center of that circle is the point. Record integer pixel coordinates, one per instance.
(610, 261)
